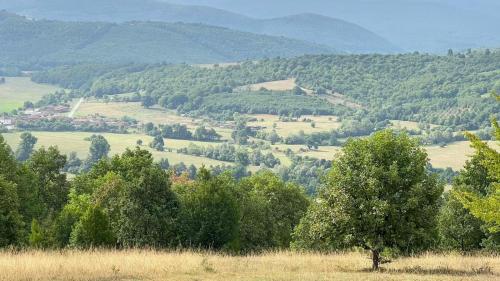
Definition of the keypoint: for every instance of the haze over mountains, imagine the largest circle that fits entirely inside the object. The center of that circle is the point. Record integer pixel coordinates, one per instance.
(424, 25)
(339, 34)
(350, 26)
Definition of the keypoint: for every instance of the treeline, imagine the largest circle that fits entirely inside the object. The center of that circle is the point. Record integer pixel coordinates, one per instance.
(378, 195)
(67, 125)
(444, 90)
(181, 132)
(230, 153)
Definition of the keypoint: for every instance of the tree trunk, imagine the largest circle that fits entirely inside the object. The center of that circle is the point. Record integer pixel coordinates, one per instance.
(375, 260)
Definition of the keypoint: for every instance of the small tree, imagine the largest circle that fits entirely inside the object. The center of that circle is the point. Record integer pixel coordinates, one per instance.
(210, 212)
(26, 146)
(99, 149)
(378, 196)
(158, 143)
(10, 219)
(93, 230)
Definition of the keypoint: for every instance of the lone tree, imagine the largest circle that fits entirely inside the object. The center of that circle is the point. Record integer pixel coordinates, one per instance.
(378, 196)
(158, 143)
(26, 146)
(99, 149)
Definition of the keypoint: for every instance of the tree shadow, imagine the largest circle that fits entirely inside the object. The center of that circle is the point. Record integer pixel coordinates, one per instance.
(418, 270)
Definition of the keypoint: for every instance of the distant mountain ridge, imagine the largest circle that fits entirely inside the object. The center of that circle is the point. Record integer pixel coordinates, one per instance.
(49, 42)
(339, 34)
(413, 25)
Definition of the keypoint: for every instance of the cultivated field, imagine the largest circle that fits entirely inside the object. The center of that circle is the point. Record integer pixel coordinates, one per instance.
(75, 141)
(16, 90)
(156, 266)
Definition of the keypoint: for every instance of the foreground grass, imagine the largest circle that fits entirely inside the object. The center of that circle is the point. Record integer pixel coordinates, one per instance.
(150, 265)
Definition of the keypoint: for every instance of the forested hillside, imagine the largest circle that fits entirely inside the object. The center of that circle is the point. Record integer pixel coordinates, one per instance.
(446, 90)
(336, 33)
(50, 42)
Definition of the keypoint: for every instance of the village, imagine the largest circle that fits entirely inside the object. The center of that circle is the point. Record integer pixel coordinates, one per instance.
(57, 116)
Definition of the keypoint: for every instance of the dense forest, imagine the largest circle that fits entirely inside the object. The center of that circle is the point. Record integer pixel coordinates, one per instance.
(447, 90)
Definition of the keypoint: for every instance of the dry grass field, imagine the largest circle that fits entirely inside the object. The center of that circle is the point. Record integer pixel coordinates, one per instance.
(155, 115)
(134, 110)
(322, 124)
(16, 90)
(75, 141)
(281, 85)
(453, 155)
(186, 266)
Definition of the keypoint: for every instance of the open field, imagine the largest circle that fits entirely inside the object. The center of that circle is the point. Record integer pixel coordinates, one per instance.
(75, 141)
(155, 115)
(454, 155)
(17, 90)
(322, 124)
(156, 266)
(281, 85)
(408, 125)
(134, 110)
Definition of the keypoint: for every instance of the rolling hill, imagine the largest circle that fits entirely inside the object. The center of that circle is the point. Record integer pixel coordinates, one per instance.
(339, 34)
(45, 42)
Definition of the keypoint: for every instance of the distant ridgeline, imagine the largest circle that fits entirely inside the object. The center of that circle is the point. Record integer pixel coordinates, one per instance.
(42, 42)
(448, 90)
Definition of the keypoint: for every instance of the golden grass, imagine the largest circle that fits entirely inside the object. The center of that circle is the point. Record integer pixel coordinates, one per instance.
(454, 155)
(183, 266)
(279, 85)
(16, 90)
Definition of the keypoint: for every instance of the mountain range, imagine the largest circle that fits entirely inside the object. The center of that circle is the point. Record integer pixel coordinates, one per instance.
(351, 26)
(339, 34)
(413, 25)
